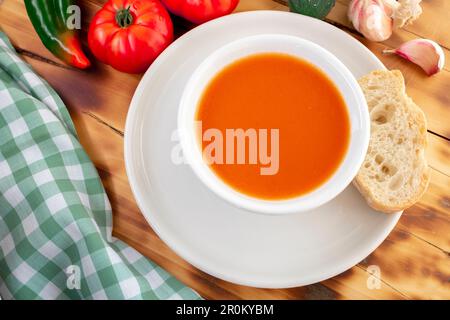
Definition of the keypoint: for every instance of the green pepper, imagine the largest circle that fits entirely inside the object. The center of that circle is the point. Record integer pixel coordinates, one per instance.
(313, 8)
(49, 19)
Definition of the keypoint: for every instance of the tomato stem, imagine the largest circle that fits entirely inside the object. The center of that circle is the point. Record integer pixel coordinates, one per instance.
(124, 17)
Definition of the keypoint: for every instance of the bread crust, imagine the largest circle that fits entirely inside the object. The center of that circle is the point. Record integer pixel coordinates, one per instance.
(418, 117)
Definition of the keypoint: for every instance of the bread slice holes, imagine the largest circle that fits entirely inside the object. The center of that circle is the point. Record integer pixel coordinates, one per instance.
(396, 182)
(380, 119)
(400, 140)
(379, 178)
(389, 170)
(379, 159)
(380, 115)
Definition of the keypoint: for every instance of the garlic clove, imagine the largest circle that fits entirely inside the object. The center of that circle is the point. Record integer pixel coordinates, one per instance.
(378, 23)
(355, 12)
(372, 18)
(423, 52)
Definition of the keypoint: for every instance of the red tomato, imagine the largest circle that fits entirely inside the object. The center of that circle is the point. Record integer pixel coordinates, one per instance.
(199, 11)
(130, 34)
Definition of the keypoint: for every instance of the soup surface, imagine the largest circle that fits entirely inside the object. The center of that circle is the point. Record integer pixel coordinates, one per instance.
(280, 92)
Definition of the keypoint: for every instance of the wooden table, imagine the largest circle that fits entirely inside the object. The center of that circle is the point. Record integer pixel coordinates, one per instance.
(414, 260)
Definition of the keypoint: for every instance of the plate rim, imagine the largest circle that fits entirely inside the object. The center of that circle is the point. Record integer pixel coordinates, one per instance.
(139, 196)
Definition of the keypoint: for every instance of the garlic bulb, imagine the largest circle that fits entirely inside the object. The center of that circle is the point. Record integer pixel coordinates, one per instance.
(371, 18)
(423, 52)
(376, 19)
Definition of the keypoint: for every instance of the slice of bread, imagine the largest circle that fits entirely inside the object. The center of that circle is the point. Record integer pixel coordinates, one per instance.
(395, 173)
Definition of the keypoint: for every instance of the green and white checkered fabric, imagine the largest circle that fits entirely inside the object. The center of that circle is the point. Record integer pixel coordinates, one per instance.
(55, 217)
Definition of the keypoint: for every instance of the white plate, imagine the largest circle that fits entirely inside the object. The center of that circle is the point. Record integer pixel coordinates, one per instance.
(216, 237)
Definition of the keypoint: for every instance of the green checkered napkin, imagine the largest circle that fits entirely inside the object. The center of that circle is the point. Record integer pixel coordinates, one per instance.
(55, 218)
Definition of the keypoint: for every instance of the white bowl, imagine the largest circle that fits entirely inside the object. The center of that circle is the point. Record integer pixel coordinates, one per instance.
(321, 58)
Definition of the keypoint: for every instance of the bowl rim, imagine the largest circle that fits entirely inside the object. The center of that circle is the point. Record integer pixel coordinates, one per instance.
(305, 202)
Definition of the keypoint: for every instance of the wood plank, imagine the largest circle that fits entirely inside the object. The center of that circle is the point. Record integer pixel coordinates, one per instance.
(438, 154)
(429, 219)
(414, 257)
(433, 23)
(249, 5)
(412, 266)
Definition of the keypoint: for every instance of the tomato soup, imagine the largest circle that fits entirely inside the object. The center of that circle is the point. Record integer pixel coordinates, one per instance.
(280, 92)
